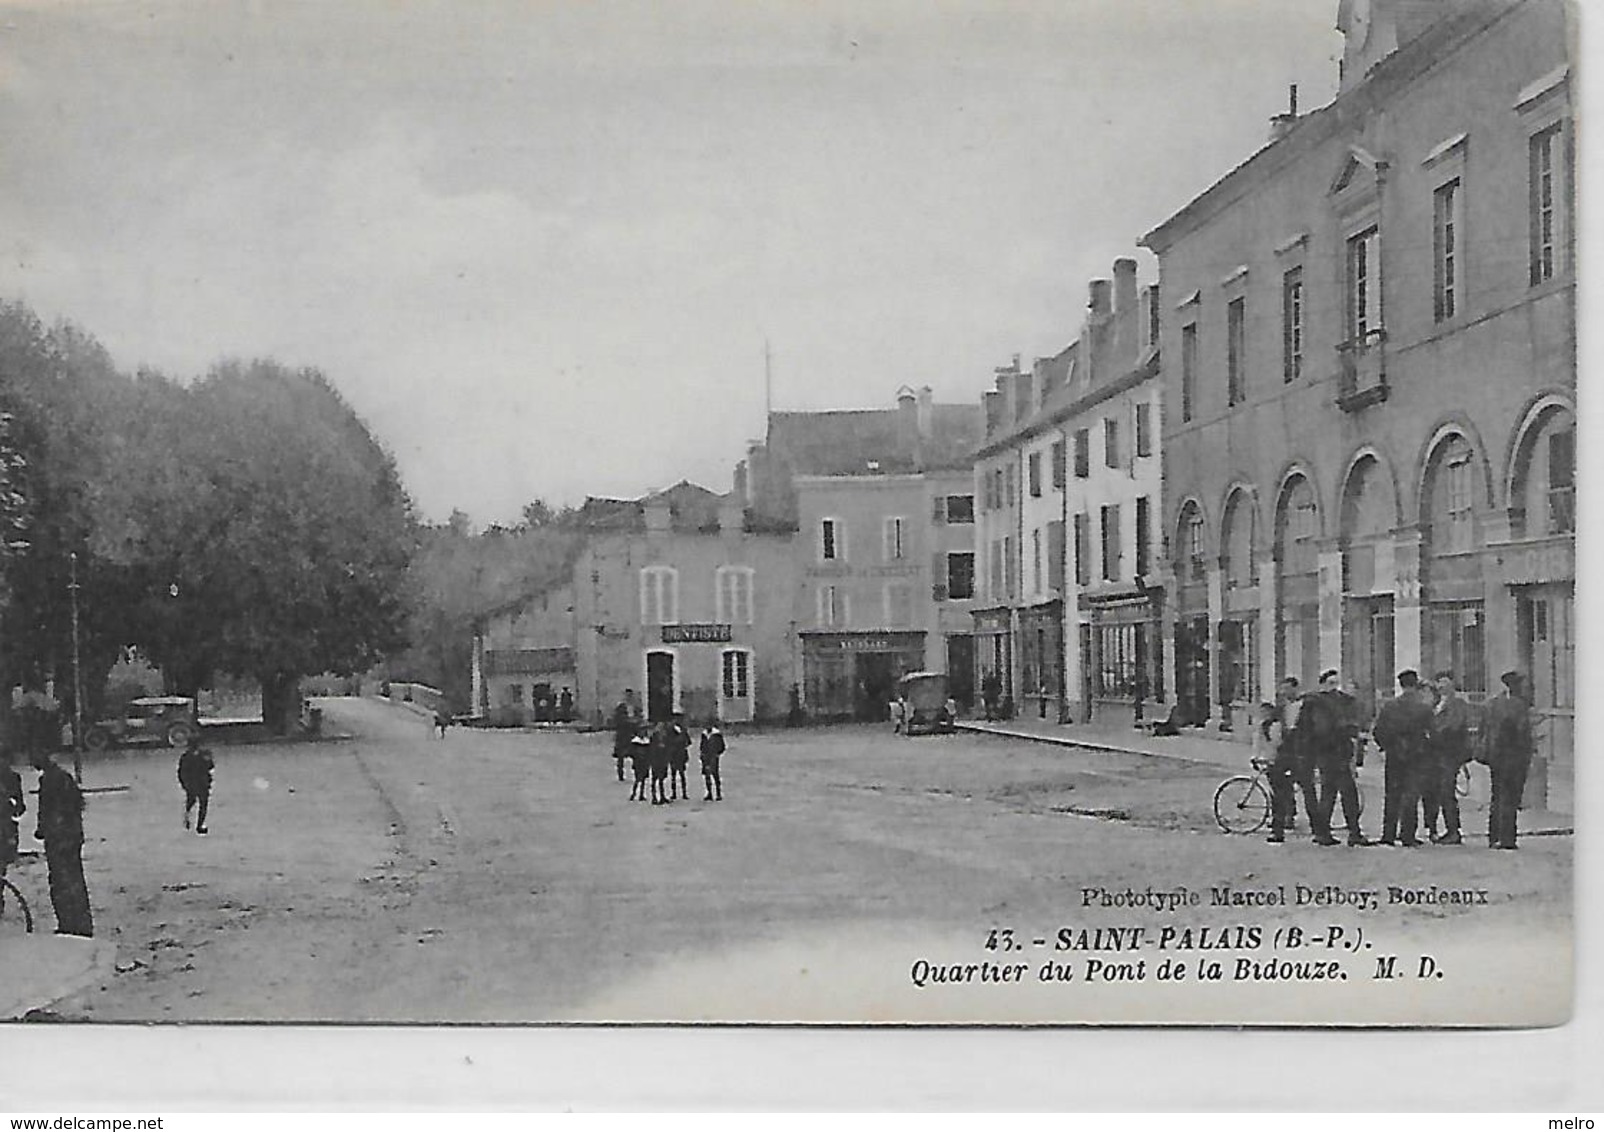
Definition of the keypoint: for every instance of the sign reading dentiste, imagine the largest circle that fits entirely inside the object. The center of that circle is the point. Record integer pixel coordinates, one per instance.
(704, 633)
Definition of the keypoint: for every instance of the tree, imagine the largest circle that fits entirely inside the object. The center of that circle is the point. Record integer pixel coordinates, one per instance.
(288, 542)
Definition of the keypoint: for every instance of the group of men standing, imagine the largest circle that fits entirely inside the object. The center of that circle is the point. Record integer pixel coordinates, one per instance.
(1427, 733)
(659, 754)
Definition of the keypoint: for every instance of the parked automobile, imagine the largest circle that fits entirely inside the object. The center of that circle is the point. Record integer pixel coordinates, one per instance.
(168, 720)
(926, 704)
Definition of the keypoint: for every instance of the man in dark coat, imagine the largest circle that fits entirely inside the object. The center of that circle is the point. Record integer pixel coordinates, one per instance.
(195, 776)
(61, 828)
(1448, 749)
(1509, 757)
(1400, 730)
(1328, 724)
(1290, 769)
(990, 693)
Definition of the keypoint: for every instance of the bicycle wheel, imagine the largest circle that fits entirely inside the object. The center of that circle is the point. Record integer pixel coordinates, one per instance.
(1242, 804)
(15, 915)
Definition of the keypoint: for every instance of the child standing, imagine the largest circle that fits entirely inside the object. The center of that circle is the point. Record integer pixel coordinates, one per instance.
(711, 748)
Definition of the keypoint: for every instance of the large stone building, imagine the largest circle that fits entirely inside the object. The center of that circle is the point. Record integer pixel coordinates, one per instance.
(1068, 484)
(882, 507)
(1369, 362)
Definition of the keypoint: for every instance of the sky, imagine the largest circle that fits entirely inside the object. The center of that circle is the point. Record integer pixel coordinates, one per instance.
(540, 246)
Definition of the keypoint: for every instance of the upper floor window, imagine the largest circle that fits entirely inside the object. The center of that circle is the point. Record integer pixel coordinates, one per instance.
(1035, 557)
(1111, 442)
(733, 594)
(1144, 534)
(1111, 542)
(1033, 473)
(1445, 251)
(1083, 453)
(1060, 469)
(1188, 369)
(1364, 290)
(1083, 551)
(959, 508)
(833, 606)
(961, 575)
(896, 535)
(1235, 328)
(1144, 429)
(1292, 325)
(659, 595)
(832, 540)
(1544, 154)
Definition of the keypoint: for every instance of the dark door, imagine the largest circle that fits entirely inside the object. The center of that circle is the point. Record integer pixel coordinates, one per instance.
(1192, 668)
(961, 670)
(1367, 650)
(659, 685)
(877, 684)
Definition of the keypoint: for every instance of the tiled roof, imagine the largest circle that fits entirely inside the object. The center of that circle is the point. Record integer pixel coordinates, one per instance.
(845, 442)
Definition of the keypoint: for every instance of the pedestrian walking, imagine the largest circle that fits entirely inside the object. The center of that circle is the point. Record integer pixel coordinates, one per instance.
(195, 776)
(61, 828)
(1509, 749)
(13, 804)
(640, 758)
(1401, 731)
(711, 749)
(1328, 728)
(623, 734)
(1448, 749)
(679, 757)
(442, 720)
(658, 752)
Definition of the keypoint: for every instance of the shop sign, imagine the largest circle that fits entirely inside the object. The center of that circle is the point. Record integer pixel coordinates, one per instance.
(1553, 560)
(868, 642)
(696, 633)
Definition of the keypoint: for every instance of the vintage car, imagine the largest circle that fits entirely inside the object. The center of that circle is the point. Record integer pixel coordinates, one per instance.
(925, 705)
(168, 720)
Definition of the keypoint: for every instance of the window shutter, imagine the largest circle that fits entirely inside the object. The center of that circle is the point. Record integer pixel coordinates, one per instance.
(938, 577)
(1055, 555)
(938, 512)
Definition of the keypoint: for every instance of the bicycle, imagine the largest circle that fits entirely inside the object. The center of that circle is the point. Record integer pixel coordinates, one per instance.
(1242, 802)
(9, 895)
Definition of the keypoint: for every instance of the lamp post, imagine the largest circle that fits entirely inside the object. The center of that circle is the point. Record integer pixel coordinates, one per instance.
(77, 673)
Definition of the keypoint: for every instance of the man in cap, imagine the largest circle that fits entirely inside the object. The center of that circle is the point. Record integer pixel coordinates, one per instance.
(1509, 757)
(61, 828)
(1328, 725)
(1448, 750)
(1400, 731)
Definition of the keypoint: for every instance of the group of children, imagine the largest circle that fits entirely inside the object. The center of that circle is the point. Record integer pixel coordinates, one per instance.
(659, 754)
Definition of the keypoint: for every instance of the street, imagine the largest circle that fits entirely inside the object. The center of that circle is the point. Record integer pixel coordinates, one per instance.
(503, 876)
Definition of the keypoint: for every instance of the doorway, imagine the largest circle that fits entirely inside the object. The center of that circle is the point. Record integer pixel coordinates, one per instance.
(1367, 650)
(1192, 668)
(659, 686)
(961, 670)
(877, 684)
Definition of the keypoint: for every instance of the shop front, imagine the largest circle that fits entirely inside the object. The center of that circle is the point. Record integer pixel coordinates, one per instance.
(994, 653)
(1041, 661)
(1125, 666)
(855, 675)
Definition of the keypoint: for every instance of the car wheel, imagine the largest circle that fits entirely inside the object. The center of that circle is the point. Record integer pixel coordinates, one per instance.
(178, 734)
(98, 739)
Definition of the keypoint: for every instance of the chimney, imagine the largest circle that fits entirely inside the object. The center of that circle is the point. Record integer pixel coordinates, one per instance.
(908, 424)
(927, 411)
(1098, 298)
(1282, 124)
(739, 486)
(993, 401)
(730, 515)
(1127, 315)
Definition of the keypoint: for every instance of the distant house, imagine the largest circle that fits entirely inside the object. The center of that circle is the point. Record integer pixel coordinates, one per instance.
(524, 654)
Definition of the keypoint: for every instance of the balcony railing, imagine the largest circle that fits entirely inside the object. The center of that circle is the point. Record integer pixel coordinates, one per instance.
(1362, 377)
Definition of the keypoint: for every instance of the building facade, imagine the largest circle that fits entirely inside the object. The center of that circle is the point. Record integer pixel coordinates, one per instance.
(1368, 342)
(887, 578)
(679, 601)
(1068, 484)
(523, 656)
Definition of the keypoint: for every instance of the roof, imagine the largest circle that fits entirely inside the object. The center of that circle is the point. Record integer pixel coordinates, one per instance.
(691, 506)
(846, 442)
